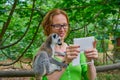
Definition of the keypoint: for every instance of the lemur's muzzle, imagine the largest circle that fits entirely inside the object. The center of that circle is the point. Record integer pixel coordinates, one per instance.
(59, 42)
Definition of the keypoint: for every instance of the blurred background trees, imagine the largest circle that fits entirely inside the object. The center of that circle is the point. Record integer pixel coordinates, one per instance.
(21, 33)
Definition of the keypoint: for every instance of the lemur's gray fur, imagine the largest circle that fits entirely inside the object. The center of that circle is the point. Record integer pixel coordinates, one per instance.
(44, 62)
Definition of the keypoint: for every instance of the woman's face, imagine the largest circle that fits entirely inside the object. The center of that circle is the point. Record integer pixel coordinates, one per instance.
(60, 26)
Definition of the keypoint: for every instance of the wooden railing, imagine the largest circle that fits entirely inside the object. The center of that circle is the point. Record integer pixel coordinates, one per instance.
(30, 73)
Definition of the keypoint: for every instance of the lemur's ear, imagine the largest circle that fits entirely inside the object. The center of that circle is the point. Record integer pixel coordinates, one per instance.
(54, 35)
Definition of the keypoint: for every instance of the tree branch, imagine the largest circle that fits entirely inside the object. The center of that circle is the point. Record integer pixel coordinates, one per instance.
(108, 67)
(17, 73)
(5, 25)
(30, 73)
(3, 47)
(6, 54)
(28, 45)
(96, 15)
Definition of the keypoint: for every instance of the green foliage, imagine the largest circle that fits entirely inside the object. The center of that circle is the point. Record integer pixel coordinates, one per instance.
(108, 75)
(87, 18)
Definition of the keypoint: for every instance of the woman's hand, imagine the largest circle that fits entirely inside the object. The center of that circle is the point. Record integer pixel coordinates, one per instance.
(92, 53)
(71, 53)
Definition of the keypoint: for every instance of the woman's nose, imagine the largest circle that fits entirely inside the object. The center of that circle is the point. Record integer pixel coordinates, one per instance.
(61, 28)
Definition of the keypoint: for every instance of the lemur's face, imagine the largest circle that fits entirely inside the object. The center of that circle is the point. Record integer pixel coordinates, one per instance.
(56, 39)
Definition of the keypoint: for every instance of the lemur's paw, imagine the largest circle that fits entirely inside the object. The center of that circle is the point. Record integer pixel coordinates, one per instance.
(59, 68)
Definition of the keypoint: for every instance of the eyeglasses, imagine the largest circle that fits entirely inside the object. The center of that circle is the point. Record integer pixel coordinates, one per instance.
(58, 26)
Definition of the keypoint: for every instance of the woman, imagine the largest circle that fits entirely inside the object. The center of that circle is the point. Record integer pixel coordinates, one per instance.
(56, 21)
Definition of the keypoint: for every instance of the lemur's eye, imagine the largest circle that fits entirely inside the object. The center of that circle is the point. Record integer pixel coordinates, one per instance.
(54, 36)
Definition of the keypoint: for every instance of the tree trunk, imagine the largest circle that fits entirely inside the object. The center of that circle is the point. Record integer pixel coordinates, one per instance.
(30, 73)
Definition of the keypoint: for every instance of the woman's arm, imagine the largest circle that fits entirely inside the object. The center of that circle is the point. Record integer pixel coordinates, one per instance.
(91, 71)
(91, 54)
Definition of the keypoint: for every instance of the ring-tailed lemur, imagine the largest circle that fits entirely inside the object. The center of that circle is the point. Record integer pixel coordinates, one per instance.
(44, 62)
